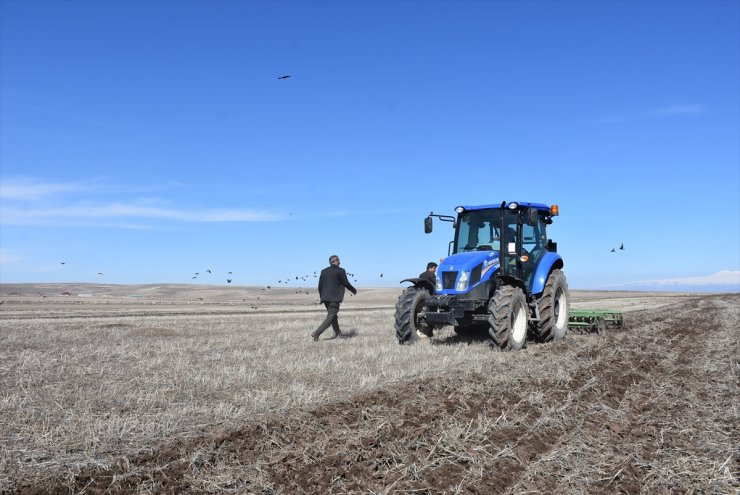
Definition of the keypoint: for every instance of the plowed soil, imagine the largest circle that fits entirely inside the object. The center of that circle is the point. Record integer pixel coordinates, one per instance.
(650, 408)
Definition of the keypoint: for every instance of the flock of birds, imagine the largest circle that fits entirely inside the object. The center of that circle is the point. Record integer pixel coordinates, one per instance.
(287, 280)
(302, 278)
(621, 248)
(229, 279)
(305, 278)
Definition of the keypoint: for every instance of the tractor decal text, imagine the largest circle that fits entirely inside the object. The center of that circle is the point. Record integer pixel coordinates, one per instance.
(487, 265)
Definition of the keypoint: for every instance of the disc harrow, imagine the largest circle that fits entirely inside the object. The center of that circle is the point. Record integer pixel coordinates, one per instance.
(582, 321)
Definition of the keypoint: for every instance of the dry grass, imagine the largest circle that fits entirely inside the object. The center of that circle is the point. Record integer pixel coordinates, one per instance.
(77, 390)
(247, 403)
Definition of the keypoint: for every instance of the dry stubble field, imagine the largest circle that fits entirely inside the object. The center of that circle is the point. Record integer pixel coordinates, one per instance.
(157, 389)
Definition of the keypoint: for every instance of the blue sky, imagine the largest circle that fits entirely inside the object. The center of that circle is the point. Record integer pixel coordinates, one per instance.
(151, 140)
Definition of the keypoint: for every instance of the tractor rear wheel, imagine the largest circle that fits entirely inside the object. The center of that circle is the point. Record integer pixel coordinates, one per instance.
(409, 327)
(508, 318)
(553, 307)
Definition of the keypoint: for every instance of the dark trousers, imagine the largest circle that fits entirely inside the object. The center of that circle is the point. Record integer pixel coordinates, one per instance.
(332, 310)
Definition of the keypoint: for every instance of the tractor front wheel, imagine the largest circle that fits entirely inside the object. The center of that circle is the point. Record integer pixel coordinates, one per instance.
(508, 318)
(409, 326)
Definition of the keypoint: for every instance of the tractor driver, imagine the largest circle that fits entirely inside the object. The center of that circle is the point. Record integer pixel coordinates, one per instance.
(430, 274)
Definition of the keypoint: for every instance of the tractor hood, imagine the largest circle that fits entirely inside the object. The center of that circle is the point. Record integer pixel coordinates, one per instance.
(476, 266)
(467, 261)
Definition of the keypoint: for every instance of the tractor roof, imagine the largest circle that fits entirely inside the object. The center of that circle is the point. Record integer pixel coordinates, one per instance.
(538, 206)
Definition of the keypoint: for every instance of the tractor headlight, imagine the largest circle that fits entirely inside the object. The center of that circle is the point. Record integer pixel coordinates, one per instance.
(462, 282)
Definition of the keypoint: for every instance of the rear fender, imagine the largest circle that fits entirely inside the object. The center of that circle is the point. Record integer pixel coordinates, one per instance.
(548, 262)
(420, 283)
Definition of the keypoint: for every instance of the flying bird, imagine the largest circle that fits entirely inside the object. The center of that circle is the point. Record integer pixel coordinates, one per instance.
(63, 262)
(622, 247)
(228, 280)
(284, 77)
(101, 273)
(209, 271)
(614, 250)
(228, 273)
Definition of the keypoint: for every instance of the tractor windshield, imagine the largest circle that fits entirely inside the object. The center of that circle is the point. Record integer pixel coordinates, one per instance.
(480, 230)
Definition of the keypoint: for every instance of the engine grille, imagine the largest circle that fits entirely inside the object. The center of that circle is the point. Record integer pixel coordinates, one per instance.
(448, 280)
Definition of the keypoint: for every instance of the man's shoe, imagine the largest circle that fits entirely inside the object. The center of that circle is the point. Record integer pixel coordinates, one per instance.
(315, 337)
(338, 335)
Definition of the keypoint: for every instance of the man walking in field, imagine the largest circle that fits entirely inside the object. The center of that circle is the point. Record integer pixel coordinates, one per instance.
(332, 283)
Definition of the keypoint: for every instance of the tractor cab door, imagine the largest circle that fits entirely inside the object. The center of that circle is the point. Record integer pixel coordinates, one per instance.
(524, 240)
(534, 246)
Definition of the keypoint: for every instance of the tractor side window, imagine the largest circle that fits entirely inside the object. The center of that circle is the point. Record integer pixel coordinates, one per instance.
(530, 238)
(534, 240)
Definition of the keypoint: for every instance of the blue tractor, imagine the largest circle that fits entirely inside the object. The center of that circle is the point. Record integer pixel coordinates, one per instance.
(502, 274)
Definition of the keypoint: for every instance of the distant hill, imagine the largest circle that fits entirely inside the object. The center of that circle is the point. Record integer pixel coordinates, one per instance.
(644, 286)
(722, 281)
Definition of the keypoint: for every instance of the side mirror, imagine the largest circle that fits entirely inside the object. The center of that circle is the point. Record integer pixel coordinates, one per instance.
(428, 225)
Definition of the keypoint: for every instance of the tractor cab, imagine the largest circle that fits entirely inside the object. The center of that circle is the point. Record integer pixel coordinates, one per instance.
(511, 237)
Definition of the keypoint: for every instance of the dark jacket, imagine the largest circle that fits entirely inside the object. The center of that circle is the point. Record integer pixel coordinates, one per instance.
(332, 282)
(427, 275)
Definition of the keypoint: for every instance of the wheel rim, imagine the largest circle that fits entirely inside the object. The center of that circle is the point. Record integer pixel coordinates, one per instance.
(560, 302)
(419, 322)
(519, 323)
(417, 310)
